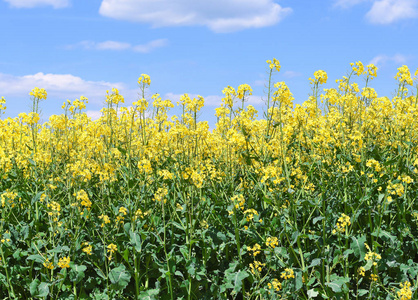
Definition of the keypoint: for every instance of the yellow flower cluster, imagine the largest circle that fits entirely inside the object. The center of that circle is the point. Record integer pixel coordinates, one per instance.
(88, 248)
(55, 210)
(83, 197)
(111, 249)
(48, 264)
(256, 249)
(321, 77)
(250, 213)
(272, 242)
(105, 220)
(238, 201)
(10, 196)
(257, 266)
(275, 64)
(144, 79)
(275, 285)
(342, 223)
(2, 106)
(287, 274)
(38, 93)
(373, 256)
(64, 262)
(405, 293)
(160, 195)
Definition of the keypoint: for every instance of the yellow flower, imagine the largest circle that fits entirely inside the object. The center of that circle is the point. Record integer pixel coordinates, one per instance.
(405, 293)
(64, 262)
(374, 277)
(275, 285)
(256, 266)
(256, 249)
(88, 248)
(320, 77)
(275, 64)
(272, 242)
(342, 223)
(105, 219)
(145, 79)
(48, 264)
(358, 69)
(111, 248)
(287, 274)
(38, 93)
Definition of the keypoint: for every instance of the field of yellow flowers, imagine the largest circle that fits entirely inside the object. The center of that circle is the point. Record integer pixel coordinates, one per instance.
(313, 201)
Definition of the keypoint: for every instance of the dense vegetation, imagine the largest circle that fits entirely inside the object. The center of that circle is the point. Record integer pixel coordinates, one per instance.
(308, 201)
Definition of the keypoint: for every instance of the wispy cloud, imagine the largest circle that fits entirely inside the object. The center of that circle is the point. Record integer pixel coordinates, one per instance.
(214, 100)
(382, 59)
(384, 12)
(217, 15)
(347, 3)
(119, 46)
(61, 86)
(35, 3)
(291, 74)
(389, 11)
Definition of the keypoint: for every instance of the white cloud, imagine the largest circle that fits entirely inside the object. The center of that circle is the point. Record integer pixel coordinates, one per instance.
(119, 46)
(35, 3)
(347, 3)
(94, 114)
(382, 59)
(148, 47)
(112, 45)
(214, 100)
(384, 11)
(217, 15)
(61, 86)
(389, 11)
(291, 74)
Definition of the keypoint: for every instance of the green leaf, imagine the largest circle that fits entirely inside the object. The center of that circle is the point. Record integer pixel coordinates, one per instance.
(37, 258)
(299, 282)
(357, 245)
(33, 287)
(336, 285)
(126, 255)
(76, 273)
(119, 277)
(237, 280)
(135, 241)
(315, 220)
(312, 293)
(315, 262)
(43, 289)
(149, 294)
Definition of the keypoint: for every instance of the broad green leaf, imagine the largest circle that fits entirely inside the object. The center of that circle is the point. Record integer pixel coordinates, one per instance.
(357, 245)
(315, 220)
(337, 283)
(135, 241)
(76, 273)
(119, 277)
(43, 289)
(33, 287)
(150, 294)
(299, 282)
(312, 293)
(237, 279)
(37, 258)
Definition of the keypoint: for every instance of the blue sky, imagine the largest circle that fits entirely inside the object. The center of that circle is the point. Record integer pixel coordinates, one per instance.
(73, 47)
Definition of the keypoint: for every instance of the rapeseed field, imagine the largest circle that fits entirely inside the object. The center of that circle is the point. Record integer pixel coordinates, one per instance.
(311, 201)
